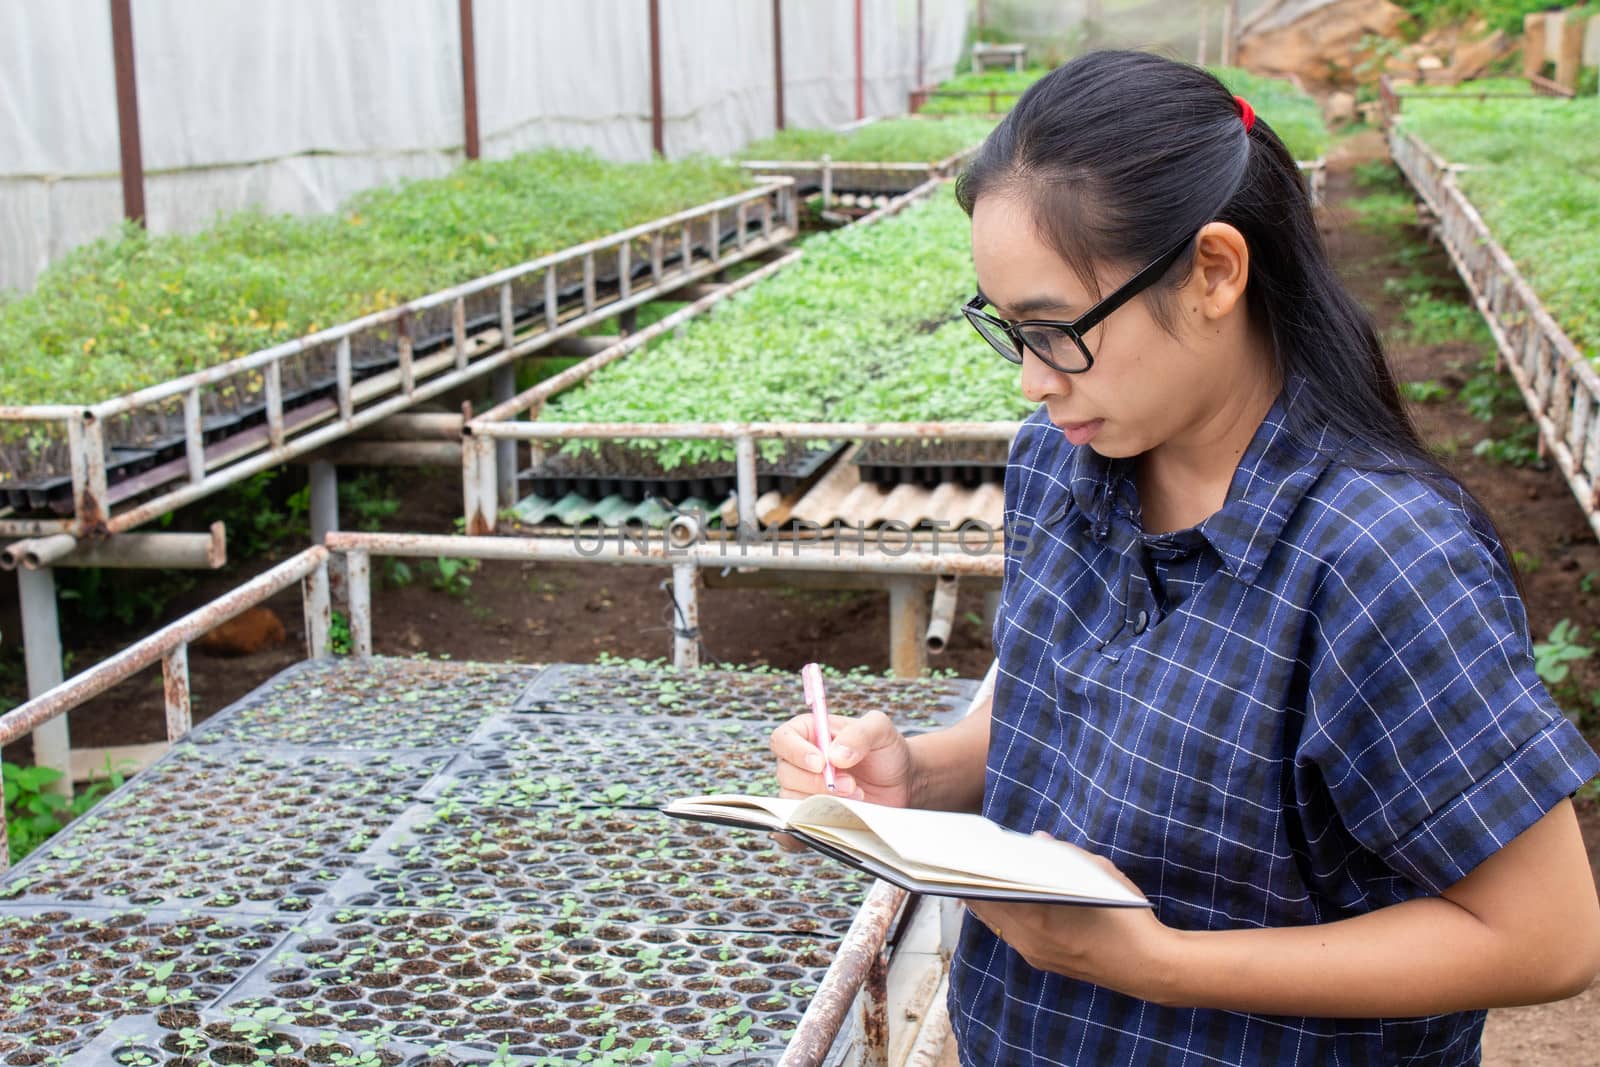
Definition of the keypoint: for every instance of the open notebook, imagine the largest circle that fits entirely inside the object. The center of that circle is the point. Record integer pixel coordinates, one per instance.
(941, 853)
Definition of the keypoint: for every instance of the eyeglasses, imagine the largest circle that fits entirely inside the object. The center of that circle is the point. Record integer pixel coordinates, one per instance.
(1061, 345)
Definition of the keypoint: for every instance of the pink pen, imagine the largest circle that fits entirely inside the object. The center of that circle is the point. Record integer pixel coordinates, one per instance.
(817, 701)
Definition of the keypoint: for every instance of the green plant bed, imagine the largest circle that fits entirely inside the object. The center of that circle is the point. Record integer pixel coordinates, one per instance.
(889, 141)
(866, 326)
(1533, 172)
(132, 309)
(1005, 85)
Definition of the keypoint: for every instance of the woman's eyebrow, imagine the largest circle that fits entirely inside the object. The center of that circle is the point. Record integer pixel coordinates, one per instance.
(1030, 305)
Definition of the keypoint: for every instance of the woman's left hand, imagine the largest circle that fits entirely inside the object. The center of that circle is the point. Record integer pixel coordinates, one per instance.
(1118, 948)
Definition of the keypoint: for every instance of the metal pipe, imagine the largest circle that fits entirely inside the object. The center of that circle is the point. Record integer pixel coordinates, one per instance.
(908, 628)
(744, 469)
(324, 500)
(171, 551)
(37, 552)
(41, 651)
(504, 388)
(777, 58)
(686, 615)
(122, 62)
(657, 126)
(317, 602)
(469, 80)
(358, 577)
(546, 430)
(768, 555)
(862, 946)
(175, 689)
(101, 677)
(861, 78)
(942, 617)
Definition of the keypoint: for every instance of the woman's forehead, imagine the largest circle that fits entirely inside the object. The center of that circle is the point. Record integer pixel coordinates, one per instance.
(1017, 269)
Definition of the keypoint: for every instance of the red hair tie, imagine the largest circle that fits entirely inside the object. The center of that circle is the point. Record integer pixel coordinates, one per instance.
(1246, 112)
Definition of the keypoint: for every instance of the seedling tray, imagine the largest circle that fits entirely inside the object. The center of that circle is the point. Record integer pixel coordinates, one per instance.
(69, 970)
(538, 987)
(377, 703)
(932, 463)
(628, 866)
(615, 761)
(634, 475)
(228, 828)
(703, 694)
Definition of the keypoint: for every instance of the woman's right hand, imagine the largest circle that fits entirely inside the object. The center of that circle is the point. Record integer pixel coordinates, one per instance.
(870, 757)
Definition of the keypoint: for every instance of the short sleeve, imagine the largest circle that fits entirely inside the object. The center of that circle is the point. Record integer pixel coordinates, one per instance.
(1425, 720)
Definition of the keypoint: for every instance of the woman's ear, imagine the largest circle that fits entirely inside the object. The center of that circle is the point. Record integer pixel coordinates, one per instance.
(1221, 269)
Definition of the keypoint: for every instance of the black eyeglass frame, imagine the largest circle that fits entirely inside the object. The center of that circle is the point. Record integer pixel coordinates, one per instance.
(1077, 327)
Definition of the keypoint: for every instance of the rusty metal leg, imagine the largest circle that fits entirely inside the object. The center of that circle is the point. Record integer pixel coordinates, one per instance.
(41, 643)
(908, 627)
(324, 477)
(873, 1002)
(505, 388)
(358, 568)
(175, 681)
(686, 617)
(318, 610)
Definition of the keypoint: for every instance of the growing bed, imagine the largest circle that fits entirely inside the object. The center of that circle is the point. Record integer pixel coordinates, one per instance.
(402, 861)
(117, 315)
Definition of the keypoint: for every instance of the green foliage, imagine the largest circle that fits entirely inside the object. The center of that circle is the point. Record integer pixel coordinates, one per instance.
(34, 812)
(1293, 115)
(1005, 85)
(1424, 392)
(825, 339)
(1519, 449)
(1428, 320)
(1531, 171)
(889, 141)
(1503, 15)
(1553, 659)
(134, 309)
(1383, 211)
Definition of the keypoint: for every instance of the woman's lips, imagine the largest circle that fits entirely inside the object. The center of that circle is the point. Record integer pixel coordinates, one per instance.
(1079, 433)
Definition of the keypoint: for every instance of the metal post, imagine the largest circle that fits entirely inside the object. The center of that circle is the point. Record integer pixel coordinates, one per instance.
(686, 616)
(41, 644)
(1230, 33)
(908, 627)
(127, 110)
(324, 499)
(505, 388)
(777, 57)
(744, 467)
(861, 92)
(358, 575)
(946, 591)
(175, 683)
(920, 49)
(991, 607)
(469, 80)
(318, 610)
(657, 131)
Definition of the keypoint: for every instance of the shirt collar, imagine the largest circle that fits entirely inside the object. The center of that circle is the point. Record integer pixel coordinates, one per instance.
(1272, 477)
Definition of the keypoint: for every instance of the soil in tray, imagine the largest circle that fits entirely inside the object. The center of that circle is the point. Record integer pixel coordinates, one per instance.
(634, 473)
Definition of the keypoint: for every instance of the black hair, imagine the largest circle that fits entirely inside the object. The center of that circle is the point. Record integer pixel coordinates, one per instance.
(1119, 154)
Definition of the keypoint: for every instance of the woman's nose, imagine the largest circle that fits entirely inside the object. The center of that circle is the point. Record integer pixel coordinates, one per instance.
(1040, 382)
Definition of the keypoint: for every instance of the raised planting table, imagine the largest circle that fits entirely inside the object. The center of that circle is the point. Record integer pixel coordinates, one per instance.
(387, 861)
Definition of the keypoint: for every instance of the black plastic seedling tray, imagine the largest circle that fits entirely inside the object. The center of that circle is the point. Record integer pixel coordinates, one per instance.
(641, 478)
(441, 880)
(930, 464)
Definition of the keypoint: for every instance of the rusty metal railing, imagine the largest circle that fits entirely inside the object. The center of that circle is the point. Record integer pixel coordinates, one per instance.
(1559, 386)
(829, 175)
(650, 261)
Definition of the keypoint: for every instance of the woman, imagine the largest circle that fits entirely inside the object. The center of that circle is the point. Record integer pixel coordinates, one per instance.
(1257, 650)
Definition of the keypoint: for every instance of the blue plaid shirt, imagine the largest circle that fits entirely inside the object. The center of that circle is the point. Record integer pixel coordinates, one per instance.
(1318, 702)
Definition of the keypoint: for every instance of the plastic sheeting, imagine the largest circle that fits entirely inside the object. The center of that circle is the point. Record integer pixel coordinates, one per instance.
(294, 105)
